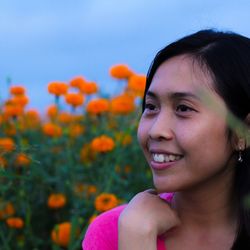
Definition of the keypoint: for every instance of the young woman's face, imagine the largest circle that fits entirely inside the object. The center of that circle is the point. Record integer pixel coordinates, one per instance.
(184, 140)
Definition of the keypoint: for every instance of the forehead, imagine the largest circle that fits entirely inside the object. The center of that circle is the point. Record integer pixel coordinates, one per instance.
(180, 73)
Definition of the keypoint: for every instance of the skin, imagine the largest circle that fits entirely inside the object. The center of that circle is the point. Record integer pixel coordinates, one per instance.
(177, 120)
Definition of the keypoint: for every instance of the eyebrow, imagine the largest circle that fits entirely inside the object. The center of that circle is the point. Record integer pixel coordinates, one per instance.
(175, 95)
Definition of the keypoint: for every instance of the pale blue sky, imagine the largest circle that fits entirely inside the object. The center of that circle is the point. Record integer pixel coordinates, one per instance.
(43, 41)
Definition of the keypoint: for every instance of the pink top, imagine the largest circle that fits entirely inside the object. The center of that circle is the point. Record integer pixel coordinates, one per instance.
(103, 231)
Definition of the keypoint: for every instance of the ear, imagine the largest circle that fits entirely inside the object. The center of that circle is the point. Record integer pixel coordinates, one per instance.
(241, 141)
(241, 145)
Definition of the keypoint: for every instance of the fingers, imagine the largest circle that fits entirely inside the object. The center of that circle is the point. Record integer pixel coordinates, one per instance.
(151, 191)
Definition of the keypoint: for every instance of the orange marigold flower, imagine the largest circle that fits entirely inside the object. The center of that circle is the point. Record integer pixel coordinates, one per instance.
(22, 160)
(120, 71)
(17, 90)
(20, 100)
(51, 129)
(6, 210)
(57, 88)
(61, 234)
(32, 118)
(65, 118)
(74, 99)
(122, 104)
(9, 129)
(137, 84)
(91, 189)
(3, 162)
(15, 222)
(127, 140)
(52, 111)
(76, 130)
(105, 201)
(97, 106)
(6, 145)
(87, 154)
(56, 201)
(127, 169)
(89, 88)
(77, 82)
(12, 111)
(79, 188)
(32, 114)
(102, 144)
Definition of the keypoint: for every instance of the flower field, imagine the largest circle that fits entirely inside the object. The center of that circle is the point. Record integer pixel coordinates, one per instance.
(60, 170)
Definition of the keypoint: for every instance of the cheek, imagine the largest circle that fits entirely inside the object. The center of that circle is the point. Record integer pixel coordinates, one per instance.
(142, 132)
(206, 141)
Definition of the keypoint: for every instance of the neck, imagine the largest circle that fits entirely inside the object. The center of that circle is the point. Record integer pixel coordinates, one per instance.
(208, 205)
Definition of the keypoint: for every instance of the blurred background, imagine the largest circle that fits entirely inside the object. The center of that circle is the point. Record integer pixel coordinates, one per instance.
(44, 41)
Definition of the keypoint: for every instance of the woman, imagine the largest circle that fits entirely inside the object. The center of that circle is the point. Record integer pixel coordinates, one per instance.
(194, 133)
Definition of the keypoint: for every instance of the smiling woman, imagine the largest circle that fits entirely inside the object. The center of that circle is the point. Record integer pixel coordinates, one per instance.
(199, 158)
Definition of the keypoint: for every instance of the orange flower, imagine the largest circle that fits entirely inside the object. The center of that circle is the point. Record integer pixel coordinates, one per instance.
(79, 188)
(76, 130)
(51, 129)
(9, 129)
(137, 84)
(120, 71)
(3, 162)
(91, 189)
(77, 82)
(32, 118)
(20, 100)
(105, 201)
(65, 118)
(32, 114)
(74, 99)
(87, 155)
(12, 111)
(102, 144)
(6, 145)
(52, 111)
(61, 234)
(125, 139)
(17, 90)
(56, 201)
(97, 106)
(6, 210)
(15, 222)
(127, 169)
(22, 160)
(89, 88)
(57, 88)
(122, 104)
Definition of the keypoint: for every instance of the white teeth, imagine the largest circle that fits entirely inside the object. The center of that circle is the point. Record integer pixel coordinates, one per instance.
(165, 158)
(159, 157)
(171, 157)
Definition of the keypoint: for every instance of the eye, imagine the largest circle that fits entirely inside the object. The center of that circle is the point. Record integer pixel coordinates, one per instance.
(182, 108)
(150, 108)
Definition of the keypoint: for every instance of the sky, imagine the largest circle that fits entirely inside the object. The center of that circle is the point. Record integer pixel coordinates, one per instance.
(56, 40)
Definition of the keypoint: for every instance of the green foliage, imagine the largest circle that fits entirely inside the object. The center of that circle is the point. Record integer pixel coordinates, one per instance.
(56, 166)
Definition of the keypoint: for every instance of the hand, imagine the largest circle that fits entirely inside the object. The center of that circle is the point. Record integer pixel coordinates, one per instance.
(148, 214)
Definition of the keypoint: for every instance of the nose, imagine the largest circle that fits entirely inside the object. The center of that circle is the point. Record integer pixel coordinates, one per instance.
(162, 128)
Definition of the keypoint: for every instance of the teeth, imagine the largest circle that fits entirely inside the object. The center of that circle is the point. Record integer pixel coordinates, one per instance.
(165, 158)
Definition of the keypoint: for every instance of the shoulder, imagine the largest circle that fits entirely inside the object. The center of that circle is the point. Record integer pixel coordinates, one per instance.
(102, 233)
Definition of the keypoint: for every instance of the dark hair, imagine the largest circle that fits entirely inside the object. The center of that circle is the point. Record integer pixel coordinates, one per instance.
(226, 56)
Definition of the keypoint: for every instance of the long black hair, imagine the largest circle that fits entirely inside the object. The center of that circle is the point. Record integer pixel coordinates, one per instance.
(226, 56)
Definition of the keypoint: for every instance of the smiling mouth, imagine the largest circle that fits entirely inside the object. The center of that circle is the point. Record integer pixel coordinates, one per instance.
(163, 158)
